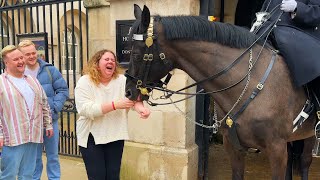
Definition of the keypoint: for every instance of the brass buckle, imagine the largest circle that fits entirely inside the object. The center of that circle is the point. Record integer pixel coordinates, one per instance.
(148, 57)
(162, 56)
(139, 83)
(145, 57)
(143, 91)
(260, 86)
(318, 115)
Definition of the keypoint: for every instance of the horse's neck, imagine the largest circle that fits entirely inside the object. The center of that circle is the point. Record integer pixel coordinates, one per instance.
(201, 60)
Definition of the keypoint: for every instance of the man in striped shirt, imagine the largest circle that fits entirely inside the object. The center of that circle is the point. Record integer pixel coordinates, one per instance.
(24, 112)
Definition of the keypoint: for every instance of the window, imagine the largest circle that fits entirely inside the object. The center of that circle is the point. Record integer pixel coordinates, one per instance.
(4, 40)
(69, 52)
(4, 34)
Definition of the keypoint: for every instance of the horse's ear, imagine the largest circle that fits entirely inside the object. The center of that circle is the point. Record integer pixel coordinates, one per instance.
(145, 16)
(137, 11)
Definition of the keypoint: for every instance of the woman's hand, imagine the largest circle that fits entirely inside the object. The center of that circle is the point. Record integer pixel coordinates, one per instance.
(143, 111)
(123, 104)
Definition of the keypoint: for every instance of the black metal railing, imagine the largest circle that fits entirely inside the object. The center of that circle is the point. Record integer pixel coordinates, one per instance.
(65, 23)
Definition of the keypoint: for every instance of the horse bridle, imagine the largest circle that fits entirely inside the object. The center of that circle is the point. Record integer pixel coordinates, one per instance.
(150, 39)
(151, 43)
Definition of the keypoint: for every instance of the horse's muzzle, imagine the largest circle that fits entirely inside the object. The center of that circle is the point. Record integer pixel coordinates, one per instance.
(136, 96)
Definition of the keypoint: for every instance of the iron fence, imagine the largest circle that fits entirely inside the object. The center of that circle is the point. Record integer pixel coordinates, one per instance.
(65, 23)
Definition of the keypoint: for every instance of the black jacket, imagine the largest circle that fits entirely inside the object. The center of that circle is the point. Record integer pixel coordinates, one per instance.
(298, 38)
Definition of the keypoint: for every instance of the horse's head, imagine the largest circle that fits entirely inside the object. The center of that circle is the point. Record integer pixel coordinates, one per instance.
(147, 63)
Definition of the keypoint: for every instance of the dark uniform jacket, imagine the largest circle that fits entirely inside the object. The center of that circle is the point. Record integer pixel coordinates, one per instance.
(298, 38)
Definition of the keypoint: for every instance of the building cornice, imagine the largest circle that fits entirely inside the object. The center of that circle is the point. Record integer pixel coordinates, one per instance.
(95, 3)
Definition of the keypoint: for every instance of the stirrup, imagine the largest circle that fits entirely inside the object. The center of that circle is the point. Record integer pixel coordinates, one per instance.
(317, 130)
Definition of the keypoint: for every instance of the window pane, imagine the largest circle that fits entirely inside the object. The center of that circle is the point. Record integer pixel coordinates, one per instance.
(69, 55)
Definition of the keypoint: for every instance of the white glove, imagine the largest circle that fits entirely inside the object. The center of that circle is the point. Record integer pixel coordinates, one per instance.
(288, 5)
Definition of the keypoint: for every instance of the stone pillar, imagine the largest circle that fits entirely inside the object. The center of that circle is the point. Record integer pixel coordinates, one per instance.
(229, 10)
(163, 146)
(99, 26)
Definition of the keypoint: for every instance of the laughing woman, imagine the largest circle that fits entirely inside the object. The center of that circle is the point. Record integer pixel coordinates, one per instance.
(103, 109)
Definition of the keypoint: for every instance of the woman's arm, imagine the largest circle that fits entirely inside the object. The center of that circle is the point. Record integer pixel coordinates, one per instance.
(86, 104)
(114, 105)
(84, 99)
(143, 111)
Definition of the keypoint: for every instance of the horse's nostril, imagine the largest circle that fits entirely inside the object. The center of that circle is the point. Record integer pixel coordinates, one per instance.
(128, 93)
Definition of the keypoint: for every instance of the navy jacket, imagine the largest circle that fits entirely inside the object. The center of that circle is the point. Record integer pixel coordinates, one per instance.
(298, 38)
(55, 87)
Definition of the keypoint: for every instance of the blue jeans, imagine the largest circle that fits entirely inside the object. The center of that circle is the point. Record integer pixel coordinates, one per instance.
(18, 161)
(51, 147)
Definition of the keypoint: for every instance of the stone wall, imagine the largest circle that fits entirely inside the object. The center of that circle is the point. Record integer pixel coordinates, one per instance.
(163, 146)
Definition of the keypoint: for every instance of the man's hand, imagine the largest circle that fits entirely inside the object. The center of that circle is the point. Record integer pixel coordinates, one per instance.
(288, 5)
(49, 133)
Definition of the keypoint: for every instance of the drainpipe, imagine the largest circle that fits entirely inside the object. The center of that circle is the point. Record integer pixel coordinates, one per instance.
(222, 11)
(204, 4)
(211, 8)
(202, 109)
(207, 9)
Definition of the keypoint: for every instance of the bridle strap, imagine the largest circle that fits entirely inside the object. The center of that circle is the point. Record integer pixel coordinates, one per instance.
(151, 46)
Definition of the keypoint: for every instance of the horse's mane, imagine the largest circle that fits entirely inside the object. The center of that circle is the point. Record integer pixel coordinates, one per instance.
(199, 28)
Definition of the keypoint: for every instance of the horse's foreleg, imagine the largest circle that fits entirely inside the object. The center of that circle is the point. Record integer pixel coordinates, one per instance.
(236, 159)
(276, 152)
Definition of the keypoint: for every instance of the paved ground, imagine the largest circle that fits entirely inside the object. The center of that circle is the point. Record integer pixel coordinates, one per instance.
(257, 166)
(71, 169)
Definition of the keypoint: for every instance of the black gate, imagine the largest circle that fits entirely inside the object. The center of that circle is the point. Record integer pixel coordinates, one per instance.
(202, 134)
(59, 28)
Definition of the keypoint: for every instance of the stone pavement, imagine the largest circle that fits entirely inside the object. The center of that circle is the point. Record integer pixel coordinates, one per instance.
(71, 168)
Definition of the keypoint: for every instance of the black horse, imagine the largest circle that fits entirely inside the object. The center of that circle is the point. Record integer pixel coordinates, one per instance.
(224, 58)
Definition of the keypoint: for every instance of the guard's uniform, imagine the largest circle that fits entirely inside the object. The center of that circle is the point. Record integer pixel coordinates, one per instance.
(297, 38)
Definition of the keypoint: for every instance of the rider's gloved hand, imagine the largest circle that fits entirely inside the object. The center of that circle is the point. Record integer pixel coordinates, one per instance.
(288, 5)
